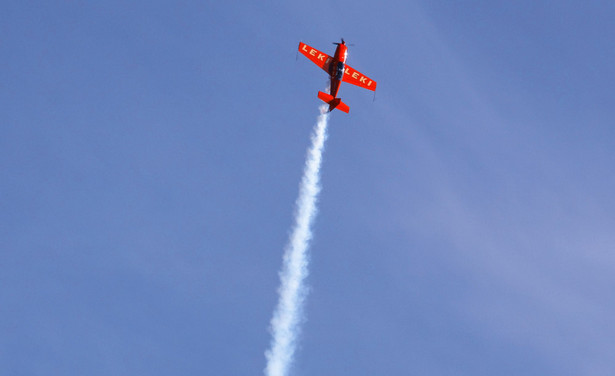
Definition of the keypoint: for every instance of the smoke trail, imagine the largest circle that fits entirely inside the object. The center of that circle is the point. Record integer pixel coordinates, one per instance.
(285, 324)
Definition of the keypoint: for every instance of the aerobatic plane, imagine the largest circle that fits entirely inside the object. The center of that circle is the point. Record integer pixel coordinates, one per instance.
(339, 71)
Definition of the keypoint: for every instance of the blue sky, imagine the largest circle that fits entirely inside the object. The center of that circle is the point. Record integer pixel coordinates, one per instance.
(150, 156)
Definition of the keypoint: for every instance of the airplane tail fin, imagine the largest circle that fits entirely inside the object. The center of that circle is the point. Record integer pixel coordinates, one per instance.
(333, 102)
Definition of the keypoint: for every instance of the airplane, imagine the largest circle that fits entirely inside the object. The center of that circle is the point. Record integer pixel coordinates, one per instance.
(339, 72)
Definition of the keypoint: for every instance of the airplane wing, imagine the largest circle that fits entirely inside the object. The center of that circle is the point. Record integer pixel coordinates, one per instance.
(353, 76)
(319, 58)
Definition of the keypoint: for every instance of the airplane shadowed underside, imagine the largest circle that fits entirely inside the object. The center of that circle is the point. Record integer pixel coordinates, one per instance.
(339, 71)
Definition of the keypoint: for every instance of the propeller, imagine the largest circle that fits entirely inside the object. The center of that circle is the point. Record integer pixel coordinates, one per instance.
(343, 42)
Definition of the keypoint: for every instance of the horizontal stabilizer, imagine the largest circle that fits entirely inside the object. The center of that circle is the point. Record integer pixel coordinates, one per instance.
(333, 102)
(325, 97)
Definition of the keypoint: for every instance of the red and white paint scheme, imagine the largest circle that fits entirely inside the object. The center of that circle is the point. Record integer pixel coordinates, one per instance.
(339, 71)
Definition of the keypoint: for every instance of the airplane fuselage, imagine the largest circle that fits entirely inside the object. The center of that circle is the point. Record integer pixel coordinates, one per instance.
(336, 68)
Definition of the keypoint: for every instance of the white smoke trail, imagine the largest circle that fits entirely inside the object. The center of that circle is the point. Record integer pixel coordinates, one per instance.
(285, 324)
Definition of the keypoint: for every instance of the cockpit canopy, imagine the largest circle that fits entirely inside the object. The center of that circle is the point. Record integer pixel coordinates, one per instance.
(339, 70)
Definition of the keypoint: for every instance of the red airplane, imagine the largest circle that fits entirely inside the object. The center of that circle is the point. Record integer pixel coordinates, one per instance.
(338, 70)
